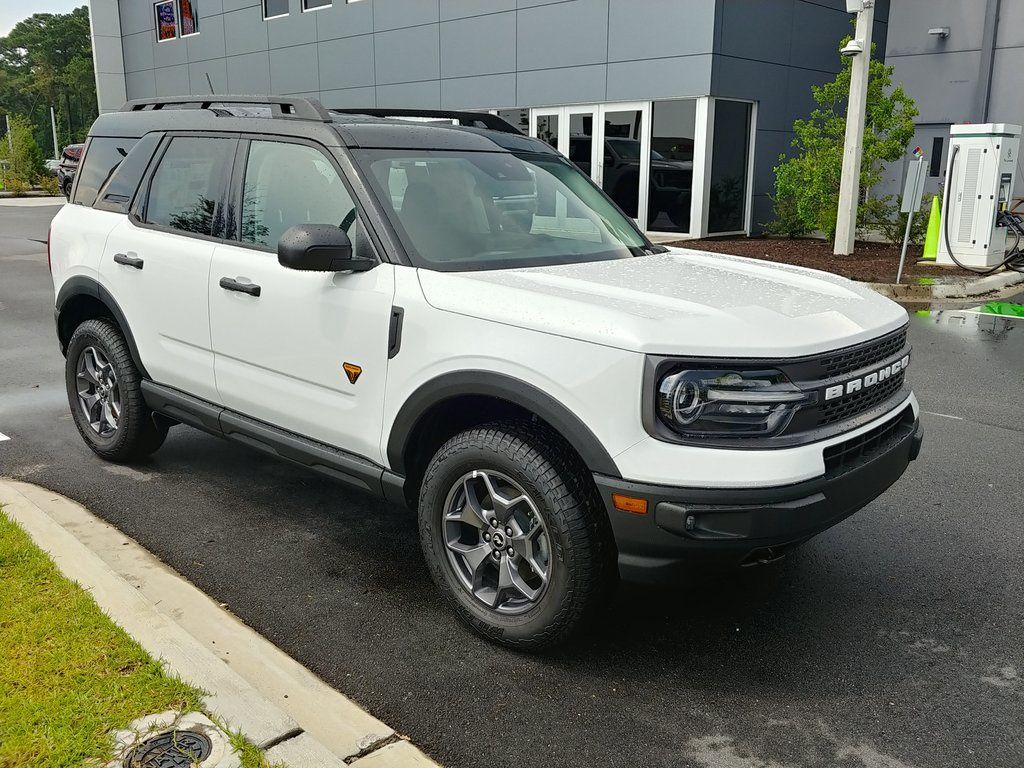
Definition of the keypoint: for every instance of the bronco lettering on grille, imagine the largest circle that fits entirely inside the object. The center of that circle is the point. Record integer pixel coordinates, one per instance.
(855, 385)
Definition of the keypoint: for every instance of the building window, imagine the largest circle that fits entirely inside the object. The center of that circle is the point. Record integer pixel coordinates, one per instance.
(272, 9)
(727, 204)
(166, 21)
(187, 19)
(315, 5)
(674, 131)
(935, 168)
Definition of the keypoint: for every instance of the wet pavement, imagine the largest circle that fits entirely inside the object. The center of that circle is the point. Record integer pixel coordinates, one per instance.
(893, 640)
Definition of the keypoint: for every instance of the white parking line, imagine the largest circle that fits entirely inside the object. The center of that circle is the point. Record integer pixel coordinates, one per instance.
(944, 415)
(3, 437)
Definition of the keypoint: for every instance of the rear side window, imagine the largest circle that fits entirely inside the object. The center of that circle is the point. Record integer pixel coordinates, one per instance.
(188, 185)
(102, 157)
(118, 192)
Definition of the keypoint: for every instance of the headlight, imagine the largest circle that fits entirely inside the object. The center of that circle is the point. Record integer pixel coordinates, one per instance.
(727, 403)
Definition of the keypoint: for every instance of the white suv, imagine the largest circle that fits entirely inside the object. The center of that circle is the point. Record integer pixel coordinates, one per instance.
(451, 315)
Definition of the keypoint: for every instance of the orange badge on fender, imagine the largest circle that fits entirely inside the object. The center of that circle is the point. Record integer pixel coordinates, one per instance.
(352, 371)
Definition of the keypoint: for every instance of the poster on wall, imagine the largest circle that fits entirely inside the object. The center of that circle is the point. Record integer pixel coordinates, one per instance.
(187, 17)
(166, 23)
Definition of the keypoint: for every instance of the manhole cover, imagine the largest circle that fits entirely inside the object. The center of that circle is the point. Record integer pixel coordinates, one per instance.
(173, 749)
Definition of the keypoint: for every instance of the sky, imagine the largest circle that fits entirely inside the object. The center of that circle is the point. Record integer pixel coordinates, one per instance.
(13, 11)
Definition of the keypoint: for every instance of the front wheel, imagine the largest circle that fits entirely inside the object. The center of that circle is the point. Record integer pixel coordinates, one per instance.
(514, 534)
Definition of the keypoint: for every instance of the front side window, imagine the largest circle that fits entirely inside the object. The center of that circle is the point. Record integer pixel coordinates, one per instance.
(101, 160)
(188, 185)
(290, 184)
(459, 211)
(166, 20)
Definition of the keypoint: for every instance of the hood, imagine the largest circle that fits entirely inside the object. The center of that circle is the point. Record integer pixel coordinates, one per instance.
(682, 302)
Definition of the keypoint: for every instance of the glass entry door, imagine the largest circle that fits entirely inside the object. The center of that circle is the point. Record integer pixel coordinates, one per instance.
(607, 142)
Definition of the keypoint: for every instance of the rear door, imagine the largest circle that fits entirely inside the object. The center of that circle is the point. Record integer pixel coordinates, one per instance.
(283, 338)
(157, 260)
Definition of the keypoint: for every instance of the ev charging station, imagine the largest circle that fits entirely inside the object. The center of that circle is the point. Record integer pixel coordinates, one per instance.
(980, 174)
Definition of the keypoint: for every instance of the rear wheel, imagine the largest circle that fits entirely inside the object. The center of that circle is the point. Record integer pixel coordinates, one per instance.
(105, 394)
(514, 534)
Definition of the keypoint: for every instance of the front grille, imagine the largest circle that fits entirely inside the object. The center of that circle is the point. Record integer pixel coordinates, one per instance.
(857, 451)
(852, 359)
(851, 405)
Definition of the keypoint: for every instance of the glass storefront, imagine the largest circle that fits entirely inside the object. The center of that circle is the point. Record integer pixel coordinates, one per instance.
(677, 166)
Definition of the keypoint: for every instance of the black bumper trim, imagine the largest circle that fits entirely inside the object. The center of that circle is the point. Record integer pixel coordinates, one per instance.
(693, 526)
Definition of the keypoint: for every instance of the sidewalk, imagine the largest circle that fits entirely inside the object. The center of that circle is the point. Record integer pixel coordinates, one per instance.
(252, 686)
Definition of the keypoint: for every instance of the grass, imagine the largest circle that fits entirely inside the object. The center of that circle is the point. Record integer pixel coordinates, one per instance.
(69, 676)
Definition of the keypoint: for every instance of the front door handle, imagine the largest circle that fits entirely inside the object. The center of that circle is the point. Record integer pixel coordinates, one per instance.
(230, 284)
(128, 259)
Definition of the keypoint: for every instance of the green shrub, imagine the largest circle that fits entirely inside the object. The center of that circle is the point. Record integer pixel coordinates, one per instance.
(49, 185)
(16, 186)
(23, 155)
(806, 195)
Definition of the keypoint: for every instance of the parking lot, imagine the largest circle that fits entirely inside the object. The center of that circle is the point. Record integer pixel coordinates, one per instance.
(891, 641)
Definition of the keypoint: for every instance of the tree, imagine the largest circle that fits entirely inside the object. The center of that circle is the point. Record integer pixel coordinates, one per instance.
(807, 184)
(26, 159)
(46, 60)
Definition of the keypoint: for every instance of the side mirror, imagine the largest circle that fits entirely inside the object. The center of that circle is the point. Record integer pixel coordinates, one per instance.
(319, 248)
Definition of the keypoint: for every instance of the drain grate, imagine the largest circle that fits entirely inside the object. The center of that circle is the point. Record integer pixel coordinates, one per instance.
(173, 749)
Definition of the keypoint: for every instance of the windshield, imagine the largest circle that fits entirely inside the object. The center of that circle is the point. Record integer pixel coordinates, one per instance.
(458, 211)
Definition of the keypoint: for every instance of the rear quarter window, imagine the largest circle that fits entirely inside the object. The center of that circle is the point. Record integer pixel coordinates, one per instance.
(117, 194)
(102, 156)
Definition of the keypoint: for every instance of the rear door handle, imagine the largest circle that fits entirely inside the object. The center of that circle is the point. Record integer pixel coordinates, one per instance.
(128, 259)
(230, 284)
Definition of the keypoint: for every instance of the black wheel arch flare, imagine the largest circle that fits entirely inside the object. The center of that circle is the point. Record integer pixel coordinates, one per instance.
(502, 387)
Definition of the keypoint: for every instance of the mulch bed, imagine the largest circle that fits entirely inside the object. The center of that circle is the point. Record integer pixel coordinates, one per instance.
(870, 262)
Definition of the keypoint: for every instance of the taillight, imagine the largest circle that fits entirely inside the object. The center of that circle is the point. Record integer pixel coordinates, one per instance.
(49, 262)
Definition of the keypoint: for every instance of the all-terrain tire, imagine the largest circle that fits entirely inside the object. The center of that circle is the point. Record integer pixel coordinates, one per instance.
(138, 433)
(582, 558)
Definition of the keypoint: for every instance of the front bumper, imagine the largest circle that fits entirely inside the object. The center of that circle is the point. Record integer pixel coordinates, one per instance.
(684, 527)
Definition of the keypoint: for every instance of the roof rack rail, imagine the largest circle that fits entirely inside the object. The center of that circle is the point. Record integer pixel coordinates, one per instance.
(281, 107)
(468, 119)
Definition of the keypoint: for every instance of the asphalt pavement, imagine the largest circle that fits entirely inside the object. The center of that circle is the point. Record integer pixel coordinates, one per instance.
(894, 640)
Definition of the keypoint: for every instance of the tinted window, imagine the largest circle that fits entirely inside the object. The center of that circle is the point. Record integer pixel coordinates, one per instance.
(935, 168)
(101, 158)
(189, 183)
(289, 184)
(274, 8)
(118, 192)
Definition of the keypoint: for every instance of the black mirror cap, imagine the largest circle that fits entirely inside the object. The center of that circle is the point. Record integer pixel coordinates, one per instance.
(319, 248)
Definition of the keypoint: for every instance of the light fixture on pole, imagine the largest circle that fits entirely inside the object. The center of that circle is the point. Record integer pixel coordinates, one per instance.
(859, 49)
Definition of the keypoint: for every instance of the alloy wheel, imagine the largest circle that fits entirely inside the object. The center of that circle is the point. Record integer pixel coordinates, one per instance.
(98, 394)
(496, 541)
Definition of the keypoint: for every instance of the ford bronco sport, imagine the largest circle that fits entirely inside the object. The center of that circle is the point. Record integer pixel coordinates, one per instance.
(451, 315)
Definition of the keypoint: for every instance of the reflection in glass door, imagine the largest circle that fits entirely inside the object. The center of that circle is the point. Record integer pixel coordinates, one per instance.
(727, 200)
(545, 128)
(582, 147)
(623, 149)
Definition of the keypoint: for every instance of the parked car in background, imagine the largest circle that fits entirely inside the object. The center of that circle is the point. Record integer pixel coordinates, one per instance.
(67, 167)
(51, 165)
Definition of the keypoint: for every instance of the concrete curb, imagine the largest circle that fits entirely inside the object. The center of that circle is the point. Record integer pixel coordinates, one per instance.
(961, 289)
(253, 685)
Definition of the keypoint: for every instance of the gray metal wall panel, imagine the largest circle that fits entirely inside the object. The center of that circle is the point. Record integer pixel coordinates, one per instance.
(136, 17)
(345, 20)
(296, 28)
(414, 95)
(910, 20)
(249, 73)
(659, 78)
(140, 85)
(294, 70)
(350, 97)
(235, 5)
(477, 92)
(1008, 88)
(407, 55)
(217, 71)
(138, 51)
(942, 84)
(816, 35)
(209, 43)
(170, 52)
(479, 45)
(567, 34)
(659, 28)
(458, 9)
(346, 63)
(572, 85)
(245, 31)
(748, 31)
(172, 81)
(395, 14)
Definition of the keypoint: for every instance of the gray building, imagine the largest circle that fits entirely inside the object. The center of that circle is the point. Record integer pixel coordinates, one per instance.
(678, 108)
(963, 62)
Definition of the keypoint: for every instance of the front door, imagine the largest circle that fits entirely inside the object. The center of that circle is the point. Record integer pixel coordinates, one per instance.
(288, 352)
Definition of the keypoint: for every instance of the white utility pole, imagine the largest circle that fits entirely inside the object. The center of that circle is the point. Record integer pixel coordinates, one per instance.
(53, 126)
(853, 149)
